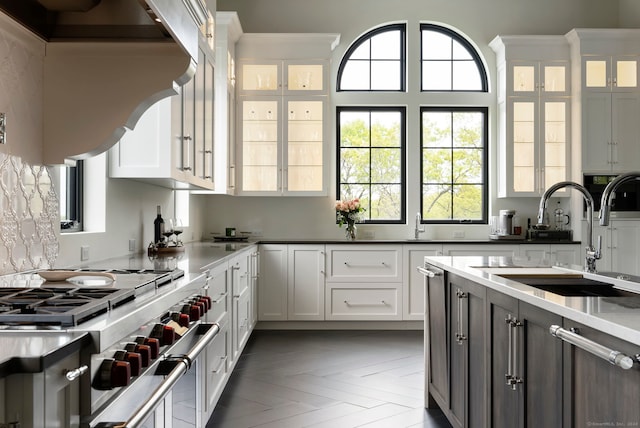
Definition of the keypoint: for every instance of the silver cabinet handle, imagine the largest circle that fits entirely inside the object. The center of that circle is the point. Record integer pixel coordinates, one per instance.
(427, 272)
(512, 353)
(220, 298)
(186, 151)
(460, 336)
(381, 303)
(616, 358)
(223, 361)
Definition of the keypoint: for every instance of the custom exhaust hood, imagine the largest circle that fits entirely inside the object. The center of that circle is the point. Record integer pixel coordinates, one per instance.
(106, 62)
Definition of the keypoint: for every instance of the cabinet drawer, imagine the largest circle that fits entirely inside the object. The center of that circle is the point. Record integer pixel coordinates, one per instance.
(372, 264)
(217, 365)
(364, 302)
(219, 292)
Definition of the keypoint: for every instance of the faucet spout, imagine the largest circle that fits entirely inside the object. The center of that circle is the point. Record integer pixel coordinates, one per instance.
(418, 230)
(592, 253)
(608, 195)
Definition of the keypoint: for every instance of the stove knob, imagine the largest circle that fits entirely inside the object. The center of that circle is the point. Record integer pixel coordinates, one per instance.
(165, 334)
(152, 343)
(133, 358)
(201, 305)
(193, 311)
(143, 350)
(181, 319)
(205, 302)
(208, 300)
(112, 374)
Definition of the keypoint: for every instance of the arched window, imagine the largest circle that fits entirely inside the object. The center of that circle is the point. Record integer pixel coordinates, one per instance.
(449, 62)
(375, 62)
(372, 149)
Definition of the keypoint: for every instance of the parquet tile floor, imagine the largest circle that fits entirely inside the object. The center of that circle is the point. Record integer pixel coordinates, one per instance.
(334, 379)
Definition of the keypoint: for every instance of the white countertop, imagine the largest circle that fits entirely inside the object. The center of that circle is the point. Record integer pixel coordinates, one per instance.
(616, 316)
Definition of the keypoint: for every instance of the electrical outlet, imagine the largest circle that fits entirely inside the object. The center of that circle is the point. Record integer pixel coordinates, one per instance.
(458, 234)
(84, 253)
(368, 234)
(132, 244)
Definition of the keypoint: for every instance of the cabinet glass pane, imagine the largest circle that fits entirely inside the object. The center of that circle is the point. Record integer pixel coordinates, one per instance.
(524, 153)
(596, 73)
(260, 145)
(259, 77)
(555, 78)
(555, 114)
(626, 74)
(304, 145)
(305, 77)
(524, 78)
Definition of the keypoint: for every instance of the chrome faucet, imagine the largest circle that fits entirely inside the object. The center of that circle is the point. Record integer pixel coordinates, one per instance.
(418, 230)
(592, 253)
(608, 195)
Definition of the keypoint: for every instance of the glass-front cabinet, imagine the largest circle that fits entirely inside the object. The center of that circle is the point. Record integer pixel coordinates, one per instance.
(609, 67)
(534, 114)
(282, 114)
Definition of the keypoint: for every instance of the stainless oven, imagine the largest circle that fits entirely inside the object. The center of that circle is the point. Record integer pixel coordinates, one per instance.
(169, 393)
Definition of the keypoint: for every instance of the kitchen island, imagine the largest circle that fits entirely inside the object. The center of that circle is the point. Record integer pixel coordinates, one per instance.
(504, 353)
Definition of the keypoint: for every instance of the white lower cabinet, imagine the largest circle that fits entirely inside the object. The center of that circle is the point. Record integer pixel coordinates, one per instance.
(272, 289)
(363, 302)
(217, 367)
(413, 290)
(554, 253)
(305, 282)
(505, 250)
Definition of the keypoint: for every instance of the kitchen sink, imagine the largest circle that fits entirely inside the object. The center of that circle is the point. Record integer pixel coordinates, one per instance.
(570, 285)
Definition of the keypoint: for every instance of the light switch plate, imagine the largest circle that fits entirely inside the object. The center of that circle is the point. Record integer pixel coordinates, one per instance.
(84, 253)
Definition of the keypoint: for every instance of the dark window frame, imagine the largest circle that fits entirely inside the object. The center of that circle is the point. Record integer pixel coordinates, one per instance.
(485, 163)
(75, 198)
(402, 27)
(403, 159)
(470, 49)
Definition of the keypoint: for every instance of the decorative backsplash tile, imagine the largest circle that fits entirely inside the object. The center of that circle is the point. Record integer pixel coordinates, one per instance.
(29, 216)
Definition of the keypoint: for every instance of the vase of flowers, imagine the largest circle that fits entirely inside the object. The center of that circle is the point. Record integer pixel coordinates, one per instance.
(349, 212)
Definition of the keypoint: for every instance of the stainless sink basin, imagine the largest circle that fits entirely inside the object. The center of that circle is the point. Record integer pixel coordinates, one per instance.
(570, 285)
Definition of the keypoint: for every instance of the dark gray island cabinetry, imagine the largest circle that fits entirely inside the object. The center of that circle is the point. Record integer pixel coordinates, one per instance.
(501, 353)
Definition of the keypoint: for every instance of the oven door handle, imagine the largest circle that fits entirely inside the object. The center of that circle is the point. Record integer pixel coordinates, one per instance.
(143, 412)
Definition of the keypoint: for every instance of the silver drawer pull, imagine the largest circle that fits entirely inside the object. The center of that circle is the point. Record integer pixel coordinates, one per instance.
(381, 303)
(219, 299)
(365, 266)
(614, 357)
(223, 361)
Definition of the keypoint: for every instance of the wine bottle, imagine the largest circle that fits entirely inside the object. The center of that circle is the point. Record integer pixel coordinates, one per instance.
(158, 227)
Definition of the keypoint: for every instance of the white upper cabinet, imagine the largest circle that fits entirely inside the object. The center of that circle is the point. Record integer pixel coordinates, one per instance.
(172, 143)
(608, 63)
(534, 114)
(282, 114)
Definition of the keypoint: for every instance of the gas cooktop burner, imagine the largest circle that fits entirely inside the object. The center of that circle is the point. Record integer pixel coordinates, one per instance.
(64, 306)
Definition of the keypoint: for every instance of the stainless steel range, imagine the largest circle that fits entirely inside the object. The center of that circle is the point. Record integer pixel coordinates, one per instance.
(146, 331)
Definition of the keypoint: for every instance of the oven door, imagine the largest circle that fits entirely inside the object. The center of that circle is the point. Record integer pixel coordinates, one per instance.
(170, 395)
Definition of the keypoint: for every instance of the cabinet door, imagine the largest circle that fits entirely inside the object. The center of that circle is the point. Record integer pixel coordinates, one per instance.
(187, 150)
(261, 134)
(467, 352)
(306, 282)
(304, 77)
(625, 132)
(304, 156)
(272, 291)
(541, 360)
(199, 118)
(595, 390)
(217, 368)
(240, 321)
(503, 312)
(625, 243)
(260, 78)
(209, 99)
(596, 132)
(436, 339)
(554, 142)
(413, 288)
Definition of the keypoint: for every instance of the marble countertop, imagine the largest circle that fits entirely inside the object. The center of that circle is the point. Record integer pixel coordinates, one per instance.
(616, 316)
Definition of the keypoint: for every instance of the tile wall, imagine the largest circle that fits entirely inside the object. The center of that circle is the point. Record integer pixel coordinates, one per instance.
(29, 216)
